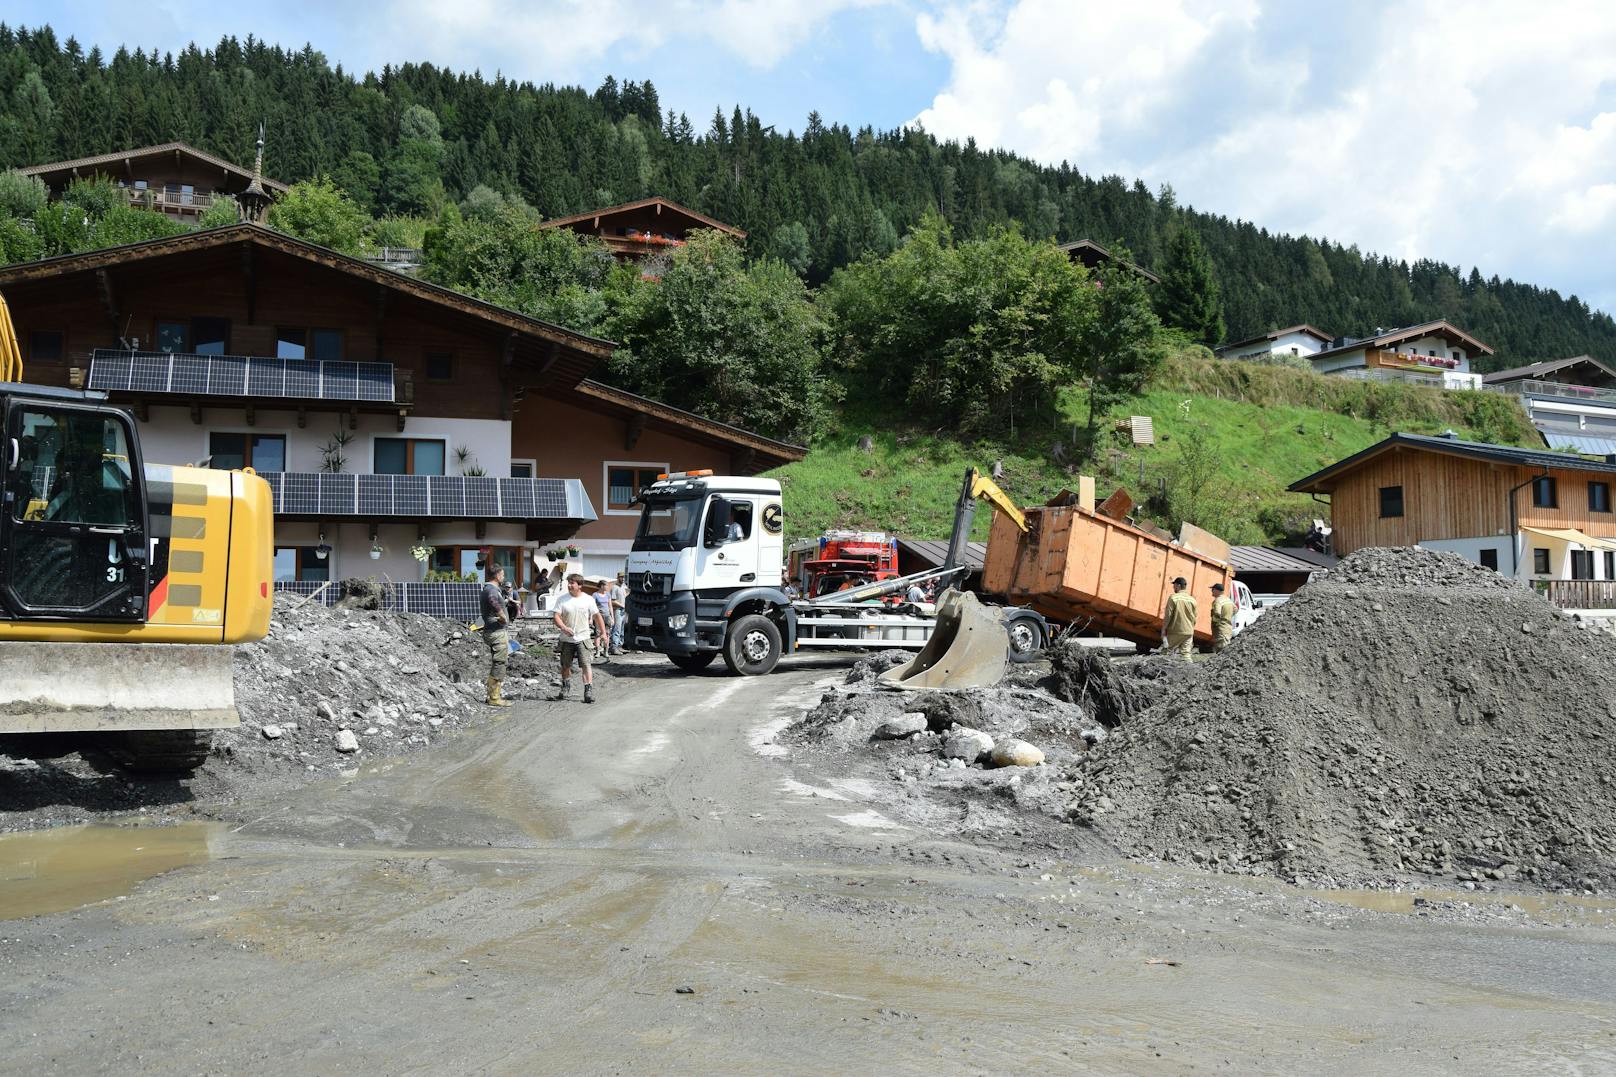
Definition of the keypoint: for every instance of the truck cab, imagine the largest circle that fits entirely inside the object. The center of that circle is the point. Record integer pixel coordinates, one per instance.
(706, 572)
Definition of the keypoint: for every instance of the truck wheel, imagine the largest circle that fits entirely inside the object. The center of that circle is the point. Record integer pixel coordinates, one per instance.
(158, 752)
(1026, 639)
(752, 646)
(693, 663)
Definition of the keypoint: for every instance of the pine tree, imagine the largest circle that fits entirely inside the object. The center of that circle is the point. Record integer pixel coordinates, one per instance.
(1188, 297)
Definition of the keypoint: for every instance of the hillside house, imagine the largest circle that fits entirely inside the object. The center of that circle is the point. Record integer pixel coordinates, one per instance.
(386, 413)
(1542, 517)
(635, 231)
(1432, 353)
(173, 178)
(1092, 256)
(1303, 341)
(1572, 402)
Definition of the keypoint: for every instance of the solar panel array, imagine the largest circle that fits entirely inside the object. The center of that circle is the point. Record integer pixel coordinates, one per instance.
(240, 375)
(460, 601)
(318, 493)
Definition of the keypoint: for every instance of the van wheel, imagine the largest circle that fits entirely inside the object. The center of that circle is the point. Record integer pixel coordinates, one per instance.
(693, 663)
(1026, 639)
(752, 647)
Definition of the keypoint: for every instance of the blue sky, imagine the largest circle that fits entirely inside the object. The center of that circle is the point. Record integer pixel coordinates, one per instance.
(1479, 134)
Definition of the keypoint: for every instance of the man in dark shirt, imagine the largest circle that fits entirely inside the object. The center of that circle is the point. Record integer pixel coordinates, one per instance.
(496, 631)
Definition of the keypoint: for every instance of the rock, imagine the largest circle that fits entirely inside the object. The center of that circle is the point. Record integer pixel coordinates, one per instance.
(435, 723)
(1092, 736)
(902, 726)
(1016, 753)
(963, 742)
(345, 741)
(371, 731)
(326, 710)
(271, 732)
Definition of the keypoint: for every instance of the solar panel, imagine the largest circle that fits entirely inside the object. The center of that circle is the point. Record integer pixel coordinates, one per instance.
(549, 498)
(277, 482)
(409, 495)
(482, 496)
(240, 375)
(300, 495)
(516, 498)
(338, 494)
(376, 496)
(448, 495)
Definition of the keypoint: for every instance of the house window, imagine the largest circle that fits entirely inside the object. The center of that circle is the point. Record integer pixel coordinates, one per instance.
(1544, 494)
(523, 469)
(1489, 559)
(45, 345)
(179, 194)
(297, 342)
(1610, 565)
(624, 483)
(1458, 356)
(409, 456)
(1391, 502)
(1582, 564)
(470, 563)
(301, 563)
(1540, 561)
(1599, 497)
(230, 451)
(439, 366)
(199, 336)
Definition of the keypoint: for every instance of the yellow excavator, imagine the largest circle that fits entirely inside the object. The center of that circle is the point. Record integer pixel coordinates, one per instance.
(121, 582)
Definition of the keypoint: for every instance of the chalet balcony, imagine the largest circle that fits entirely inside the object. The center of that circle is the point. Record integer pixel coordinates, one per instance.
(1580, 594)
(248, 381)
(1559, 390)
(316, 495)
(166, 201)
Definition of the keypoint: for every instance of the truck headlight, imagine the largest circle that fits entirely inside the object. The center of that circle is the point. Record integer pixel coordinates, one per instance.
(678, 621)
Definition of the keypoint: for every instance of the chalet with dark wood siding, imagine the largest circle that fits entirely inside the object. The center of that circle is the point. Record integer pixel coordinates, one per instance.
(1543, 517)
(638, 230)
(172, 178)
(458, 424)
(1091, 256)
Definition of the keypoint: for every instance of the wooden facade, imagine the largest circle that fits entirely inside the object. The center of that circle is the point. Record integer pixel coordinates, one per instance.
(174, 178)
(636, 230)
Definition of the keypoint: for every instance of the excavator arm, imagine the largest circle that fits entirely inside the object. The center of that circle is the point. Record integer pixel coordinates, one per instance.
(977, 487)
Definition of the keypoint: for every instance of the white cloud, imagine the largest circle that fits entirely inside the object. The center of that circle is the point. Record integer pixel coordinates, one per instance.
(1475, 134)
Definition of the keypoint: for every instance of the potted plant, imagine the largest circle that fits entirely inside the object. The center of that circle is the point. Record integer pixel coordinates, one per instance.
(375, 551)
(572, 551)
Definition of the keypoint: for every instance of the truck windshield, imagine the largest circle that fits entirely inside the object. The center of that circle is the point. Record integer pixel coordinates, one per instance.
(668, 523)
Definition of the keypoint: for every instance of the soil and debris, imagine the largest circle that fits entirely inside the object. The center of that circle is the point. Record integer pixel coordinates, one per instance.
(1408, 715)
(327, 690)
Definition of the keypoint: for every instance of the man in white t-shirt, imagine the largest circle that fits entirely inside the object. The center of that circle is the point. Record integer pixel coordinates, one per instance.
(619, 611)
(575, 617)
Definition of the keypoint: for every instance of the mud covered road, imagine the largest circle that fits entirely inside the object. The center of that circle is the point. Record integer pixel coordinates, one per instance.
(651, 885)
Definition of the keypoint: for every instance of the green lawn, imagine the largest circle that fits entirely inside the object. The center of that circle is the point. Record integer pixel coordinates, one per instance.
(1229, 438)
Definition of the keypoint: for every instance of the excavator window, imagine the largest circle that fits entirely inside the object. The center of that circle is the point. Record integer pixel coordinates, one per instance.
(75, 538)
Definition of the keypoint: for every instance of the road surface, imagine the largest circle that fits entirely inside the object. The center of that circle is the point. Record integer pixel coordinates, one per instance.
(650, 885)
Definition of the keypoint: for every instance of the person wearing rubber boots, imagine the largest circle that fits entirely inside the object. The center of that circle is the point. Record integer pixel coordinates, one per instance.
(1222, 618)
(1178, 622)
(576, 615)
(496, 633)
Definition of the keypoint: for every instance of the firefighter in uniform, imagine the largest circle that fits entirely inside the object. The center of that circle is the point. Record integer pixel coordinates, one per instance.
(1178, 622)
(1222, 618)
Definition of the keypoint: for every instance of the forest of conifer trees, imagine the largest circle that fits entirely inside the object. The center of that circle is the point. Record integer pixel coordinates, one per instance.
(405, 140)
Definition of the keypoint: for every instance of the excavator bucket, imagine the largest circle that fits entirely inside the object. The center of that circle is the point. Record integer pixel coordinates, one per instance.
(968, 649)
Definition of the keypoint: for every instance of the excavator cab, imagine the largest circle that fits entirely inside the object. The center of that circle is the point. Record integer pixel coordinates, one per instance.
(74, 523)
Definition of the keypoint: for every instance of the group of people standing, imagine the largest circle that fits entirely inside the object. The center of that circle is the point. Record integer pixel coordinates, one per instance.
(1178, 620)
(591, 628)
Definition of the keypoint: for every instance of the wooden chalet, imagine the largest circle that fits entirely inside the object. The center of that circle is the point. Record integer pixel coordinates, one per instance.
(173, 178)
(1092, 256)
(637, 230)
(387, 413)
(1544, 517)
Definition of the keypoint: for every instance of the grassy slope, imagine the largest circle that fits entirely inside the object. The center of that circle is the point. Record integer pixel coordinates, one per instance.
(1265, 428)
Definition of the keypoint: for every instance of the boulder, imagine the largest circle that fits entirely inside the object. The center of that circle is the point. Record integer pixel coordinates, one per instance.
(904, 725)
(1016, 753)
(963, 742)
(345, 741)
(272, 732)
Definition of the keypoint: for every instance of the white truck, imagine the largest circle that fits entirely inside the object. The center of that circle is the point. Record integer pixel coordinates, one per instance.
(706, 578)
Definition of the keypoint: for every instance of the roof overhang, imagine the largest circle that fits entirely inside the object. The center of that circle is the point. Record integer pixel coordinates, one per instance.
(695, 220)
(1324, 480)
(764, 452)
(66, 170)
(561, 357)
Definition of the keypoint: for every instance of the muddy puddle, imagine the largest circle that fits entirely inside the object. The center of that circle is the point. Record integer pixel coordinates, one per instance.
(55, 870)
(1602, 909)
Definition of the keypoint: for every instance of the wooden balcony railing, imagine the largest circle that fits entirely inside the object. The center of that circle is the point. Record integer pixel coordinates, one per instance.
(1581, 594)
(171, 201)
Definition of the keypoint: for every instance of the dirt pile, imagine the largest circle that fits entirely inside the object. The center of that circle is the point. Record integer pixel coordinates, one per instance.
(394, 681)
(1408, 713)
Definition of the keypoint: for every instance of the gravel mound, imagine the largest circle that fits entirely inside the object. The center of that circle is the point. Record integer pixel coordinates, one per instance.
(395, 681)
(1408, 713)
